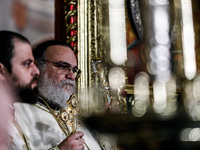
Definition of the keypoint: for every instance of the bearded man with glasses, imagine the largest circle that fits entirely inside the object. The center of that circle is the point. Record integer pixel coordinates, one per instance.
(51, 121)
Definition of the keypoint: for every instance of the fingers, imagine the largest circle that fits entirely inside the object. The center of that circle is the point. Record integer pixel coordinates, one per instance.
(80, 141)
(75, 141)
(76, 135)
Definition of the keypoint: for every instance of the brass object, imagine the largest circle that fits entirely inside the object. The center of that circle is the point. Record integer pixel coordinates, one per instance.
(70, 13)
(66, 118)
(71, 24)
(89, 47)
(101, 70)
(93, 49)
(69, 116)
(72, 2)
(122, 103)
(73, 101)
(71, 27)
(71, 39)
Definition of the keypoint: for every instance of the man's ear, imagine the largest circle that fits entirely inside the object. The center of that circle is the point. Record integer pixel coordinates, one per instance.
(2, 72)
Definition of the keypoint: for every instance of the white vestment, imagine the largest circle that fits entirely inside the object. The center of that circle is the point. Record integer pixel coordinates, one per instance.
(15, 139)
(42, 130)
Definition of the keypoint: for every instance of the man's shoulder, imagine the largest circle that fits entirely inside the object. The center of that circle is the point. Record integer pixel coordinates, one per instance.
(29, 107)
(40, 126)
(19, 104)
(30, 112)
(22, 108)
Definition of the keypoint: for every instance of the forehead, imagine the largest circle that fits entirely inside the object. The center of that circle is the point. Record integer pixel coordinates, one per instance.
(22, 51)
(60, 53)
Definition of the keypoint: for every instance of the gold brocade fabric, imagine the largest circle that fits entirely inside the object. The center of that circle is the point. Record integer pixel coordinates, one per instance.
(43, 130)
(67, 118)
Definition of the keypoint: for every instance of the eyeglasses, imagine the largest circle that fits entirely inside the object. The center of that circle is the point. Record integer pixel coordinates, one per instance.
(65, 67)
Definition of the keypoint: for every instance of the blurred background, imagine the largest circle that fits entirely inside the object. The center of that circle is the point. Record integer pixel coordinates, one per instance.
(33, 18)
(140, 57)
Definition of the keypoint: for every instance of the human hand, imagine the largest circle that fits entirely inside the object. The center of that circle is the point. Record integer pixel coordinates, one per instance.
(74, 141)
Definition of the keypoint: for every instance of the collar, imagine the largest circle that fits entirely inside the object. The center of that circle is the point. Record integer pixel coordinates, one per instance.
(51, 105)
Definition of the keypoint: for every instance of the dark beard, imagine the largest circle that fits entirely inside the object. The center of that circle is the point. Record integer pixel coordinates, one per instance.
(24, 92)
(28, 95)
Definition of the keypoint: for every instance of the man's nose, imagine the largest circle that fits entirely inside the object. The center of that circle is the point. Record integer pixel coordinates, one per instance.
(35, 70)
(70, 75)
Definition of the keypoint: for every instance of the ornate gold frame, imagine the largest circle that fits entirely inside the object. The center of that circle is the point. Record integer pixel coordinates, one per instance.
(92, 51)
(89, 46)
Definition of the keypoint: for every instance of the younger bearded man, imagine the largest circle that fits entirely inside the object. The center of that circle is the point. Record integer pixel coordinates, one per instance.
(19, 73)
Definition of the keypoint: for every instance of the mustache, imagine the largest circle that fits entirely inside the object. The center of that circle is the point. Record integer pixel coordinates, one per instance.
(36, 78)
(68, 81)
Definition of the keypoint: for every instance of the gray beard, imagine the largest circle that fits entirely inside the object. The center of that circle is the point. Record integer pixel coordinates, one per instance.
(54, 92)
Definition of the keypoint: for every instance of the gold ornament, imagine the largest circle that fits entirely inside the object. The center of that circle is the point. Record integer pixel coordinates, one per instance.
(69, 115)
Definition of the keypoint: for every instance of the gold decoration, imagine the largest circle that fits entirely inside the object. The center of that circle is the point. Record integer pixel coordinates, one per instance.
(99, 68)
(71, 39)
(69, 115)
(92, 44)
(73, 2)
(70, 13)
(73, 101)
(122, 104)
(66, 118)
(71, 27)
